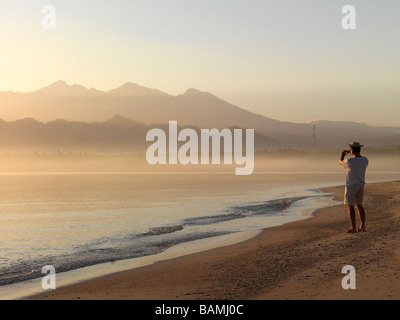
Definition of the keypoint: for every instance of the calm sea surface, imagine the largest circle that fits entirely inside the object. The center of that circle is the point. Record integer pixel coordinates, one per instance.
(75, 220)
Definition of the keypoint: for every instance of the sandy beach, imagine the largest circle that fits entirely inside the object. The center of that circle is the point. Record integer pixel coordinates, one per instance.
(299, 260)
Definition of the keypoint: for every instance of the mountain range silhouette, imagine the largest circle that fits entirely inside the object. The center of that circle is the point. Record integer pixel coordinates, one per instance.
(72, 117)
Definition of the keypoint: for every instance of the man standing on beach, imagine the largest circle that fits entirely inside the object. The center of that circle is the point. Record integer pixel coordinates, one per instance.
(355, 182)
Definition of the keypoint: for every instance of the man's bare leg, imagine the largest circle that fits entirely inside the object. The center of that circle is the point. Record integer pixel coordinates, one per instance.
(361, 213)
(352, 216)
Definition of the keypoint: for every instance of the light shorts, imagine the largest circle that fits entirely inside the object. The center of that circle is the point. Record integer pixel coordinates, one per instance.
(354, 194)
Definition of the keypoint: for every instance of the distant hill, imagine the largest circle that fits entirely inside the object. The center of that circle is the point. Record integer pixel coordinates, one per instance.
(331, 133)
(85, 113)
(116, 135)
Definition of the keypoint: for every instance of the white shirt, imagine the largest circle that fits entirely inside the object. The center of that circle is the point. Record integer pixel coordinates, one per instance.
(356, 168)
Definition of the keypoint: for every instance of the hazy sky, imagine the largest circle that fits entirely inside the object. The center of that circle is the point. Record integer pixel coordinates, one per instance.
(289, 60)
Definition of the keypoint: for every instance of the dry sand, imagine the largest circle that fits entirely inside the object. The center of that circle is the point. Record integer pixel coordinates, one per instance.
(300, 260)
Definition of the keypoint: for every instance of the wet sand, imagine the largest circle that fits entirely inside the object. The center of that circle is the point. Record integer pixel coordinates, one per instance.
(299, 260)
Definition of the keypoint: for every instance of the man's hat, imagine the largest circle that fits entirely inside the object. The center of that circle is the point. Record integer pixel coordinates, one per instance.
(355, 145)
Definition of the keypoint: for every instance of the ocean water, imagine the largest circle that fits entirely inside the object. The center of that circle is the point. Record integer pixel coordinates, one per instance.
(72, 221)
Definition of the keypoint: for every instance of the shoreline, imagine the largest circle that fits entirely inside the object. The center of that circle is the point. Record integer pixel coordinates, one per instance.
(298, 260)
(93, 272)
(302, 210)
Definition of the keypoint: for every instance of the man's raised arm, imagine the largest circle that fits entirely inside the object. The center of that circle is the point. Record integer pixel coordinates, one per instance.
(344, 154)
